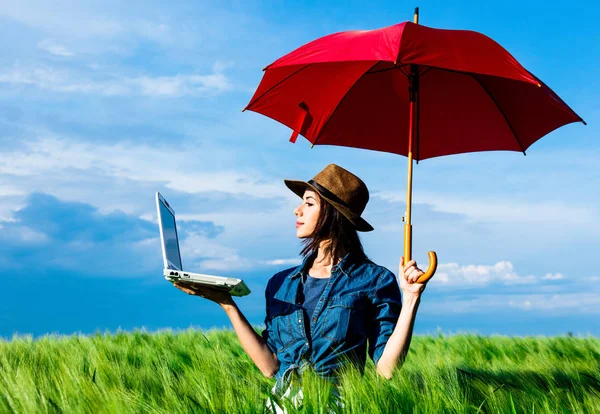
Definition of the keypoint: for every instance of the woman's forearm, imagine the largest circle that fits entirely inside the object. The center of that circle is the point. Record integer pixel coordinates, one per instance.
(253, 344)
(397, 346)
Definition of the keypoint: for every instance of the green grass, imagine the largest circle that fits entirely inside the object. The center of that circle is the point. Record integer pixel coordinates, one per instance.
(190, 371)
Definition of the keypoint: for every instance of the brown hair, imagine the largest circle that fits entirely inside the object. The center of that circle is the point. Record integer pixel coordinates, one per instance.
(333, 225)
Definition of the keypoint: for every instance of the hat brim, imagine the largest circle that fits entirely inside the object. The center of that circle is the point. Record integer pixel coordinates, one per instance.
(298, 187)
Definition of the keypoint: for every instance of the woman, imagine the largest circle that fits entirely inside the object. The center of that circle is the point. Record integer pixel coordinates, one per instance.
(328, 309)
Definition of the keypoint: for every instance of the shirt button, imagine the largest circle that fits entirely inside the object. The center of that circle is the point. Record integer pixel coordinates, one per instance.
(299, 320)
(307, 344)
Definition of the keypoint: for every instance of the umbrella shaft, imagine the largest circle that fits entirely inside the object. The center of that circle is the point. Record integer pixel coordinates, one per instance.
(408, 226)
(410, 165)
(413, 91)
(407, 243)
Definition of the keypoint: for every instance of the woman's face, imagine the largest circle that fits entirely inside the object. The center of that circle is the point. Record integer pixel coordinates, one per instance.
(307, 214)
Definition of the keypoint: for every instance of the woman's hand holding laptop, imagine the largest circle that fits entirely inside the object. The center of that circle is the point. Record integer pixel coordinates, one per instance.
(220, 296)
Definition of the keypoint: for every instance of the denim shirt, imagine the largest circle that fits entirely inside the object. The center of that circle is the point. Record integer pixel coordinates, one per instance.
(360, 304)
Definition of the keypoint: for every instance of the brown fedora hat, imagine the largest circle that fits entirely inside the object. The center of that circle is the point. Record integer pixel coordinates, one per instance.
(340, 188)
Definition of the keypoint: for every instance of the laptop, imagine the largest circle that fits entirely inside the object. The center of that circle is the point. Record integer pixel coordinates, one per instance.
(173, 271)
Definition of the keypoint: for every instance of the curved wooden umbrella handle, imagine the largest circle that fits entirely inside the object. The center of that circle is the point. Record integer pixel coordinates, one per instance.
(408, 254)
(430, 270)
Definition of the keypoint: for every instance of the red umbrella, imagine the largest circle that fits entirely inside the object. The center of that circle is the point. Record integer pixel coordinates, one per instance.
(453, 91)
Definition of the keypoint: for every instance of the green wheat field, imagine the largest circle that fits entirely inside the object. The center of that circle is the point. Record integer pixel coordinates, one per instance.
(195, 371)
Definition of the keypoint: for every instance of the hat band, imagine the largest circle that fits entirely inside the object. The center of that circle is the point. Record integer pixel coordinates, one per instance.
(328, 194)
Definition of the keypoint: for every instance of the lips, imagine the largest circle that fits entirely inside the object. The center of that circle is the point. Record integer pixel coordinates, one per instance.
(298, 224)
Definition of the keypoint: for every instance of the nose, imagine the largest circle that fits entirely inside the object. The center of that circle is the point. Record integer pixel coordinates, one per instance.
(297, 211)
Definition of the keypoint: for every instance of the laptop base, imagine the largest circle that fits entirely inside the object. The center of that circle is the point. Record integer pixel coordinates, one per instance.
(236, 287)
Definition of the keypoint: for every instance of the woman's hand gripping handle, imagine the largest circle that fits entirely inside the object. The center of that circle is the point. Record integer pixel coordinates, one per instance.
(428, 274)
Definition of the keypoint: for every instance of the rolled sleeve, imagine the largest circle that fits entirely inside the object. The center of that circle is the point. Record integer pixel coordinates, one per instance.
(266, 333)
(386, 304)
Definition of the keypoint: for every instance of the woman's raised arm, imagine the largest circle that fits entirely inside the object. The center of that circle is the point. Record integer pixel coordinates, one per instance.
(398, 343)
(254, 345)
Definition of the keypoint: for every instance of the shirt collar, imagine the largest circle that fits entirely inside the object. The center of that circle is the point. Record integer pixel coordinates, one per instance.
(345, 266)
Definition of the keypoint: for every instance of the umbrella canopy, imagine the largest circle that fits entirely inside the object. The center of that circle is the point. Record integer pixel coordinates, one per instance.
(352, 89)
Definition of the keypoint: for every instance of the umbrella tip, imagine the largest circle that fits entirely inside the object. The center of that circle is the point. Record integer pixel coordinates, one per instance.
(312, 145)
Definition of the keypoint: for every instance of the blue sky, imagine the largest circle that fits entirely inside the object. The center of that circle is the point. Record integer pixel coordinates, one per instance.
(104, 103)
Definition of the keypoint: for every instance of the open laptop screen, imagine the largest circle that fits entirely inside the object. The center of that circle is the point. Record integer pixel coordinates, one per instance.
(169, 232)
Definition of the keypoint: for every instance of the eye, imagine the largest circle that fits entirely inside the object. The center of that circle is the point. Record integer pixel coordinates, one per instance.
(309, 204)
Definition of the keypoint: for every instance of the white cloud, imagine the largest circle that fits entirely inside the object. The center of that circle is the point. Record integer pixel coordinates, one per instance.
(54, 48)
(542, 294)
(93, 28)
(277, 262)
(63, 81)
(58, 81)
(488, 209)
(593, 279)
(157, 31)
(234, 262)
(76, 18)
(221, 65)
(453, 274)
(550, 304)
(9, 190)
(136, 162)
(11, 199)
(24, 235)
(553, 276)
(206, 254)
(180, 85)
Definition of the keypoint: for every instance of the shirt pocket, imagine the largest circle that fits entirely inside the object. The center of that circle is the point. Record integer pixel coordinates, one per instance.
(344, 317)
(282, 316)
